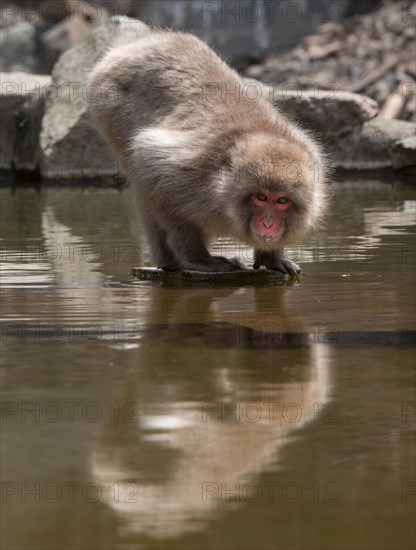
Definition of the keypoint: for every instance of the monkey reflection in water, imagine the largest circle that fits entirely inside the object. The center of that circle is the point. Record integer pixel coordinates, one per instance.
(187, 435)
(202, 158)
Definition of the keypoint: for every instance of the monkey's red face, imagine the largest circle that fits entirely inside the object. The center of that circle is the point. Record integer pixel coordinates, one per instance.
(269, 213)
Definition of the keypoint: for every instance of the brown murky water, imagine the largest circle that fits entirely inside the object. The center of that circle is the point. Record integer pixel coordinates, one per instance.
(137, 416)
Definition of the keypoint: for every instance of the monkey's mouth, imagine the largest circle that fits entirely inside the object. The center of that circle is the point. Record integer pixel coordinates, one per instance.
(268, 238)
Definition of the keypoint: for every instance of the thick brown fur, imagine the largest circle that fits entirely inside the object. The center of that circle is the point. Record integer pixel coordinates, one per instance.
(194, 147)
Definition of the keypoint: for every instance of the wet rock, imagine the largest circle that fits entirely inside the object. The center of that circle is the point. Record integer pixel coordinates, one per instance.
(325, 111)
(22, 103)
(403, 153)
(71, 146)
(368, 147)
(18, 48)
(248, 277)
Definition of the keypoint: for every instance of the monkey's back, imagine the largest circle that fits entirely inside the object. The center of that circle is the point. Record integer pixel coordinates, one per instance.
(174, 79)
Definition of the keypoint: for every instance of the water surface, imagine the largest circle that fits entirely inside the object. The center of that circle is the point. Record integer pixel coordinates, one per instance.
(140, 416)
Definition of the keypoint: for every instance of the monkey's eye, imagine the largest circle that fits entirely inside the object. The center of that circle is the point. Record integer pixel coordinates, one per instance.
(282, 200)
(261, 197)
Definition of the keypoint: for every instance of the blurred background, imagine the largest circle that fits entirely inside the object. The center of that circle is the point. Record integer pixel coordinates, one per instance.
(366, 46)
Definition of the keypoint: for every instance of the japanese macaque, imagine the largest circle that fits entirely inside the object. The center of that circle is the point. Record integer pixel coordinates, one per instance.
(203, 157)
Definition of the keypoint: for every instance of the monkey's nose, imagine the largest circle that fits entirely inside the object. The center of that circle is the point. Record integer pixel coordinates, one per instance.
(267, 223)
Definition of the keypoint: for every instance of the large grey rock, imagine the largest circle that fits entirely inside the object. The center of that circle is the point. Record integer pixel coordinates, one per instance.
(22, 101)
(18, 47)
(403, 153)
(323, 110)
(368, 147)
(71, 146)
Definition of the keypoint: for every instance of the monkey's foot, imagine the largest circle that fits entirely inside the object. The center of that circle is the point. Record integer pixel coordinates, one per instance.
(215, 264)
(233, 264)
(276, 262)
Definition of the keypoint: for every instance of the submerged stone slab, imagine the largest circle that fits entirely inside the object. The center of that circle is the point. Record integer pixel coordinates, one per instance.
(249, 277)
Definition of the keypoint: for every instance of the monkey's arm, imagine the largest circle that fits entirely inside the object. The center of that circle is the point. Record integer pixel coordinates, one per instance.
(276, 260)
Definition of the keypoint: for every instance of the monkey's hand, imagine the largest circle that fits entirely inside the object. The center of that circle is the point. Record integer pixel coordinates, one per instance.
(275, 260)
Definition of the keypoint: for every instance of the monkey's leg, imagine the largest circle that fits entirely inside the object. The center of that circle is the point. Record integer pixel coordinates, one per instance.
(187, 243)
(161, 252)
(276, 260)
